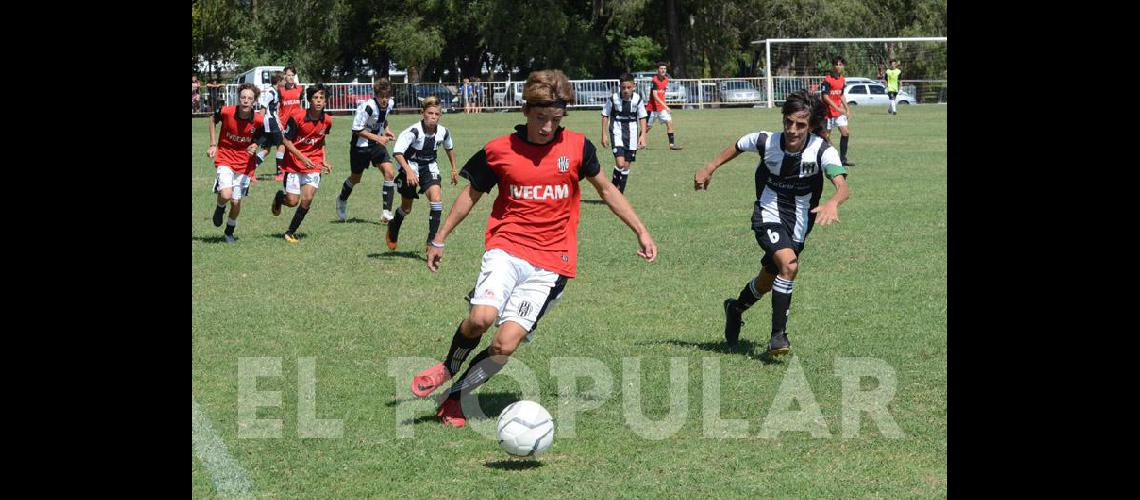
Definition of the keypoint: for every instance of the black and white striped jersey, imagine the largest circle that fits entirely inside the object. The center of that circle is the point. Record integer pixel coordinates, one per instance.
(270, 102)
(789, 185)
(623, 119)
(419, 148)
(371, 116)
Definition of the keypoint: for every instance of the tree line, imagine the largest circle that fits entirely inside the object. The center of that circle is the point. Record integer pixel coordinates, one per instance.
(338, 40)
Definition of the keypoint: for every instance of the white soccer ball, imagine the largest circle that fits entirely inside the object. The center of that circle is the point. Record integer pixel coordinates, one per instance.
(525, 429)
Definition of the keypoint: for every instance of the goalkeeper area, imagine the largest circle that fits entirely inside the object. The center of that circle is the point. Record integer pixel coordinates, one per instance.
(801, 63)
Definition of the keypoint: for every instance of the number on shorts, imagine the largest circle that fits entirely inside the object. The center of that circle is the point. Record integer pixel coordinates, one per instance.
(484, 278)
(773, 237)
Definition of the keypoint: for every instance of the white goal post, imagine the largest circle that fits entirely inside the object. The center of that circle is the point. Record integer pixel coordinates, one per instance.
(799, 59)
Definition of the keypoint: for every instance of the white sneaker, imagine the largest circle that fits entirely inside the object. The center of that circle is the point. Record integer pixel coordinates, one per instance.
(341, 209)
(386, 216)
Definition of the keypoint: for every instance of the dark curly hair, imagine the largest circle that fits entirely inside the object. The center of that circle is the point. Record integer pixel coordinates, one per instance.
(802, 100)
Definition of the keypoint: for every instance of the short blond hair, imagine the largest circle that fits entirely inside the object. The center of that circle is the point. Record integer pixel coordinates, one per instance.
(430, 101)
(548, 87)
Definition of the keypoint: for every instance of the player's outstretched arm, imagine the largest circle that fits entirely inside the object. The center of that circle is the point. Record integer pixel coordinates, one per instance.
(454, 170)
(459, 210)
(621, 207)
(828, 212)
(703, 176)
(213, 149)
(605, 128)
(296, 152)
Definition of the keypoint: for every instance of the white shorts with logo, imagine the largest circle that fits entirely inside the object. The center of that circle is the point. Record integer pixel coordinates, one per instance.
(294, 181)
(659, 116)
(838, 121)
(520, 291)
(225, 178)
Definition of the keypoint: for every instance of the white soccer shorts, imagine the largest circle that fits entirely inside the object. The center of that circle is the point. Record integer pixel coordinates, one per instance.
(225, 178)
(659, 116)
(514, 287)
(294, 181)
(838, 121)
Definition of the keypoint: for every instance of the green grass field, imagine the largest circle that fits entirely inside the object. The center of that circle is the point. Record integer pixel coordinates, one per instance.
(873, 286)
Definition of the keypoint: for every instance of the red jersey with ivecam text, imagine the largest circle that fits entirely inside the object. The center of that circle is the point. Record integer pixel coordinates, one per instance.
(290, 99)
(236, 136)
(834, 93)
(308, 136)
(535, 216)
(657, 89)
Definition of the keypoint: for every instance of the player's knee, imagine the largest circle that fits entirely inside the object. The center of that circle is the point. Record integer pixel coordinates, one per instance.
(788, 270)
(225, 196)
(503, 347)
(479, 321)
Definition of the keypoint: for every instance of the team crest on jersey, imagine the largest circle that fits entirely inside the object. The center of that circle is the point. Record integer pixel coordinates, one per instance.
(563, 164)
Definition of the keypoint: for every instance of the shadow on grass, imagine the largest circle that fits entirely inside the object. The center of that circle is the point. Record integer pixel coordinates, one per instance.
(281, 236)
(209, 239)
(513, 464)
(403, 255)
(491, 403)
(594, 202)
(357, 220)
(742, 347)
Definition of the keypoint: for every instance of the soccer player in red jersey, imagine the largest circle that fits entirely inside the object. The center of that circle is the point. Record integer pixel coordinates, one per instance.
(305, 134)
(289, 95)
(656, 107)
(531, 237)
(838, 110)
(233, 154)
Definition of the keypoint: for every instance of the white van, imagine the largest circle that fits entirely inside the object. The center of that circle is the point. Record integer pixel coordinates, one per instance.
(260, 75)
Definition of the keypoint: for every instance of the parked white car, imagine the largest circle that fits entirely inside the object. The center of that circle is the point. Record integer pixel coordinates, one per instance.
(871, 93)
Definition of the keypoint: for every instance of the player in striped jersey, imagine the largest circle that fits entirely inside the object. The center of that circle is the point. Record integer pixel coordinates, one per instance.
(232, 154)
(624, 125)
(370, 134)
(270, 102)
(789, 182)
(415, 150)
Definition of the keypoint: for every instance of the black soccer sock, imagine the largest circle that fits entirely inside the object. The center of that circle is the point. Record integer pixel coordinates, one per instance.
(221, 209)
(482, 368)
(781, 302)
(671, 138)
(461, 346)
(394, 225)
(280, 157)
(843, 148)
(346, 189)
(231, 224)
(433, 219)
(748, 296)
(298, 216)
(619, 178)
(279, 198)
(389, 194)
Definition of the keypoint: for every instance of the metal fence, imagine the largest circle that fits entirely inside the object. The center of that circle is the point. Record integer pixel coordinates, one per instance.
(504, 96)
